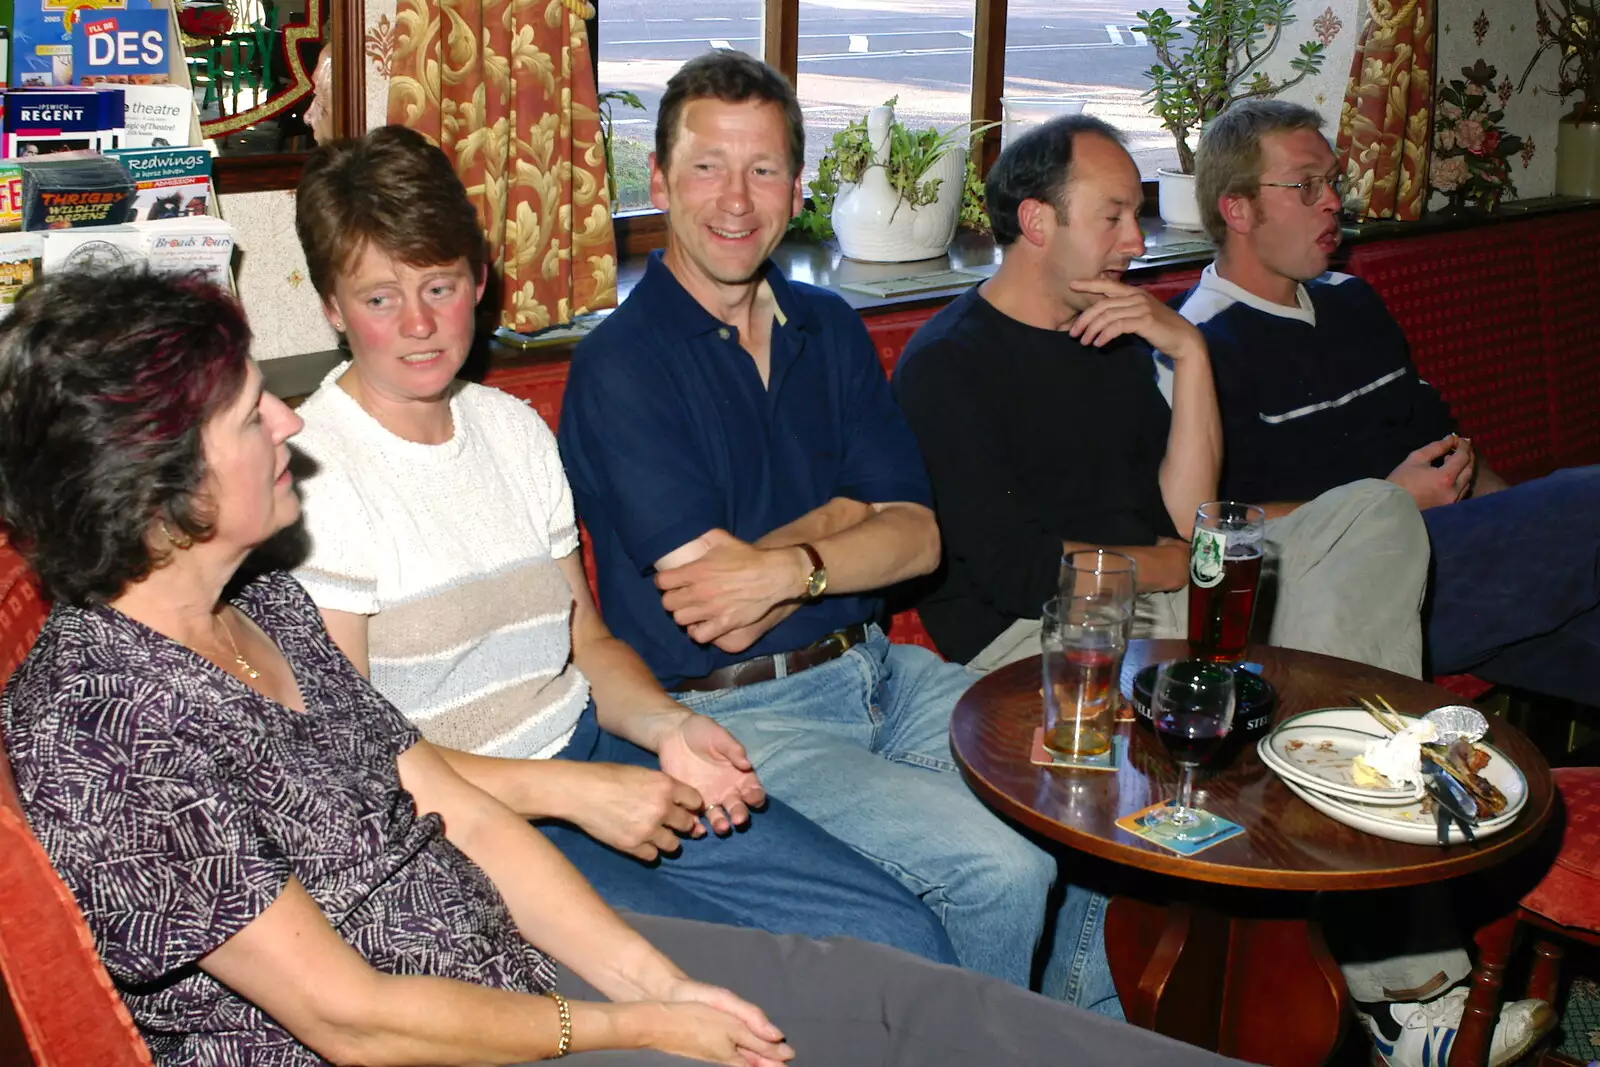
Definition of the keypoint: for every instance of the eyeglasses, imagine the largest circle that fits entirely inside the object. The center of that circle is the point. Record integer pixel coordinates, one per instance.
(1311, 188)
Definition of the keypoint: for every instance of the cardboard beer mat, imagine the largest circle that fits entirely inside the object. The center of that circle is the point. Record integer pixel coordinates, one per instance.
(1214, 830)
(913, 283)
(1174, 249)
(1108, 760)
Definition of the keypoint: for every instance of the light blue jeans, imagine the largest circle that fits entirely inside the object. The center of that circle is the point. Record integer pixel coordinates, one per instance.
(861, 746)
(780, 873)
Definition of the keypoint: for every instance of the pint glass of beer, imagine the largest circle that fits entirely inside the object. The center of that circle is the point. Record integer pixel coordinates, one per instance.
(1224, 570)
(1104, 577)
(1081, 642)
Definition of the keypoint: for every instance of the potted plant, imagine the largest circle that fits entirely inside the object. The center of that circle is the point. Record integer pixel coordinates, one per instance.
(1202, 68)
(891, 194)
(1472, 152)
(606, 101)
(1572, 28)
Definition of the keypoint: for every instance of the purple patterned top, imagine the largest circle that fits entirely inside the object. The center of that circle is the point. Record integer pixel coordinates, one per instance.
(176, 802)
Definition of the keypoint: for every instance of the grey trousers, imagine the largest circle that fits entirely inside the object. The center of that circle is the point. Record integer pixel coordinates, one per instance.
(844, 1003)
(1350, 568)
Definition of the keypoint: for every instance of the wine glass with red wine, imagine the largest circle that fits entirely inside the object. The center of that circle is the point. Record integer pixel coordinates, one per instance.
(1192, 710)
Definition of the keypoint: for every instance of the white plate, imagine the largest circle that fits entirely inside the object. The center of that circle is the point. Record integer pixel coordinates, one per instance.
(1377, 820)
(1402, 822)
(1319, 754)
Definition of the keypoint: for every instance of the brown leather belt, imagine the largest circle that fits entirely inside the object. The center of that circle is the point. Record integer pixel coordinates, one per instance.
(765, 668)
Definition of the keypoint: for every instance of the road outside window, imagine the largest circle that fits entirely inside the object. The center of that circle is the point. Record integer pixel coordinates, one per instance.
(642, 44)
(855, 54)
(1088, 52)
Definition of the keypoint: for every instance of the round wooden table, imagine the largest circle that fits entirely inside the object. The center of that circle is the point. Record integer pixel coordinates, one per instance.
(1233, 951)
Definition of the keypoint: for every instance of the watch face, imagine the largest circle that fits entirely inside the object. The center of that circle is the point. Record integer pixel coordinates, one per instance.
(816, 583)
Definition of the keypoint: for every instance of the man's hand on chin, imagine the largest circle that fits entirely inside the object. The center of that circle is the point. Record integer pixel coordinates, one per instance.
(1124, 309)
(732, 587)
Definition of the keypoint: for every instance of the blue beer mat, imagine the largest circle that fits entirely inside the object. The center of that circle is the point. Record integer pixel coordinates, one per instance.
(1215, 829)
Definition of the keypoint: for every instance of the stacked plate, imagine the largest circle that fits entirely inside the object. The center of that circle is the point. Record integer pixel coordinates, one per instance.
(1313, 753)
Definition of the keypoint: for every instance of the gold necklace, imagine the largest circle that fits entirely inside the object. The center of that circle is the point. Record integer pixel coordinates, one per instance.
(238, 657)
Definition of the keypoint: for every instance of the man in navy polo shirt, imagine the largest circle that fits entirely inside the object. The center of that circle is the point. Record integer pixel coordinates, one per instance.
(749, 484)
(1317, 389)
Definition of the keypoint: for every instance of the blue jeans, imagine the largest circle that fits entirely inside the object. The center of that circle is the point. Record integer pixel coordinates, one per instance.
(861, 746)
(781, 873)
(1516, 587)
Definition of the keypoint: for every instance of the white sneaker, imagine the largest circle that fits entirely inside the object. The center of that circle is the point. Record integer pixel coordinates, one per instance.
(1428, 1030)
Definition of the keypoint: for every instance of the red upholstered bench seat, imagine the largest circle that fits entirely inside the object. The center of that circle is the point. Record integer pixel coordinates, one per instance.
(61, 999)
(1569, 894)
(1468, 687)
(541, 385)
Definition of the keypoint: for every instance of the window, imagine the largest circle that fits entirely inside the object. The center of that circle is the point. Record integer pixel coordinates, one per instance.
(849, 55)
(1083, 57)
(853, 55)
(641, 44)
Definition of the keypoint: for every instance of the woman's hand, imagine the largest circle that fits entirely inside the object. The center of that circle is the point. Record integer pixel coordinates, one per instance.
(709, 1023)
(703, 755)
(633, 809)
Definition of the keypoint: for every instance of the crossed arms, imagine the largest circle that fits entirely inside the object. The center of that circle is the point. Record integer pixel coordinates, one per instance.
(729, 592)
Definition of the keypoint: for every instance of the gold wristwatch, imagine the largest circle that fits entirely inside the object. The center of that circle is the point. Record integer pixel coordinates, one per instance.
(817, 583)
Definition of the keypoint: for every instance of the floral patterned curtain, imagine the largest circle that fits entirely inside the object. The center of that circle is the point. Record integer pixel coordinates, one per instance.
(1384, 127)
(505, 88)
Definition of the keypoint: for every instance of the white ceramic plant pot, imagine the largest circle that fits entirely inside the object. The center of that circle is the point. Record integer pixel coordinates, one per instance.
(876, 224)
(1179, 205)
(1578, 155)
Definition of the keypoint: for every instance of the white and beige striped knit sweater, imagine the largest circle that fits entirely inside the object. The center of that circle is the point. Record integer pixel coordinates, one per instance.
(451, 550)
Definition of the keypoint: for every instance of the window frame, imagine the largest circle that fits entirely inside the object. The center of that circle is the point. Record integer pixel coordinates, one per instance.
(645, 229)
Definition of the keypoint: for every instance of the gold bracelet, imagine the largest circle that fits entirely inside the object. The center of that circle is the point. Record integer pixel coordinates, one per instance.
(566, 1023)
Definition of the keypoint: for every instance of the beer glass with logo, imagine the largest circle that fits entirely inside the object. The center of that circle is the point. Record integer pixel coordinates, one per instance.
(1081, 643)
(1224, 570)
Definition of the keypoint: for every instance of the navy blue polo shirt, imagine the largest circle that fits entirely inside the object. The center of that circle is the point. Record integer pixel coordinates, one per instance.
(667, 432)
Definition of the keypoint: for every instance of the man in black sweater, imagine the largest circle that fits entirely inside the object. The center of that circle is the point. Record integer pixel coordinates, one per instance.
(1034, 400)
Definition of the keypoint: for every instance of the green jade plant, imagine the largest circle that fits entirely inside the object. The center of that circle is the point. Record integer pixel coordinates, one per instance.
(911, 156)
(1205, 66)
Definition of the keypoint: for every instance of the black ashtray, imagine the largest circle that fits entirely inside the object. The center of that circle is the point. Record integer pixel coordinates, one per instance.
(1252, 715)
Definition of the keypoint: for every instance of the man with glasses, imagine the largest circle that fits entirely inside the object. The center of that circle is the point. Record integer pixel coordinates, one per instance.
(1065, 443)
(1317, 389)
